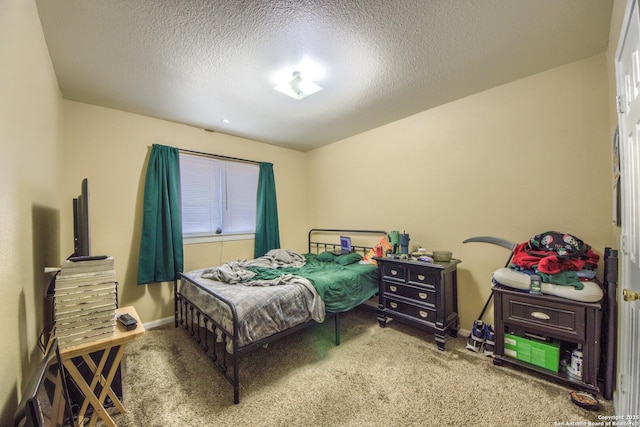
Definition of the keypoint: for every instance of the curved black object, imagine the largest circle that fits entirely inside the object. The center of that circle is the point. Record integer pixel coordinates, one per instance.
(495, 241)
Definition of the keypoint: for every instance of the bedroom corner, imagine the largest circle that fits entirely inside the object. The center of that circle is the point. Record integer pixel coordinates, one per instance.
(31, 134)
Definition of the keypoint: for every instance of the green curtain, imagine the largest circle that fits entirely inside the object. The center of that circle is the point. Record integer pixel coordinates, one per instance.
(161, 253)
(267, 230)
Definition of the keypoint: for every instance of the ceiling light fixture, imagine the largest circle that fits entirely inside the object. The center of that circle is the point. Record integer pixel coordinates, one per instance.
(298, 87)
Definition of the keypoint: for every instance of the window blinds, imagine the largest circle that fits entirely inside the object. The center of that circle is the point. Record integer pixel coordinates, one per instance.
(218, 196)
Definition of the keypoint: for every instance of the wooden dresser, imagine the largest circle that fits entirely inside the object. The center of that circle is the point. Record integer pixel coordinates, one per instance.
(571, 324)
(421, 294)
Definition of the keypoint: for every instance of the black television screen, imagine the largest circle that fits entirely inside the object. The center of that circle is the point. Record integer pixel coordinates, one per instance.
(81, 227)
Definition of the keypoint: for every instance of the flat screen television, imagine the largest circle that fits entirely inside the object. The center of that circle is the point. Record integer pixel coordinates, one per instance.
(81, 226)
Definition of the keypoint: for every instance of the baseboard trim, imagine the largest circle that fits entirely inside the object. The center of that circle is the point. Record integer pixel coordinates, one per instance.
(159, 322)
(373, 302)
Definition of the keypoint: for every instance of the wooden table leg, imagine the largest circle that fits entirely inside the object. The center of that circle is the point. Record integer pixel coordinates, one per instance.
(95, 379)
(58, 404)
(107, 390)
(90, 397)
(106, 382)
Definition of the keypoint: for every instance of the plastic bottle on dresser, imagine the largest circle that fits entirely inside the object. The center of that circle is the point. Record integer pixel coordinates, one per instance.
(536, 287)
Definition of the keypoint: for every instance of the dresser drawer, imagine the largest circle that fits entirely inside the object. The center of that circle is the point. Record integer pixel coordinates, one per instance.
(394, 271)
(546, 317)
(424, 276)
(424, 294)
(413, 310)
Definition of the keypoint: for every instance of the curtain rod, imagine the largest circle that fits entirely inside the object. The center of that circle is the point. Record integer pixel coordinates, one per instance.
(217, 156)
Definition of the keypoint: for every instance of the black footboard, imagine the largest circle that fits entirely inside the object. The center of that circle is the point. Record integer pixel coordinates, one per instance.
(206, 330)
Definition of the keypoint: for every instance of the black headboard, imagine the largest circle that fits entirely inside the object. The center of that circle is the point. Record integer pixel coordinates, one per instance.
(322, 239)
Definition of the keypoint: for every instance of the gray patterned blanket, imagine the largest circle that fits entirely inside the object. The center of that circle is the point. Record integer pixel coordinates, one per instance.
(263, 307)
(236, 272)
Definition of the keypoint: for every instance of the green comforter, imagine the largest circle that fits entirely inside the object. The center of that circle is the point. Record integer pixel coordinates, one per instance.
(341, 287)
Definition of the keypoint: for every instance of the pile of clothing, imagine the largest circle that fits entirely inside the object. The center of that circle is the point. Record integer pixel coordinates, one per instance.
(558, 258)
(566, 266)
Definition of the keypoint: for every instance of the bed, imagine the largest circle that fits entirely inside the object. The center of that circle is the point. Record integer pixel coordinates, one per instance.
(243, 305)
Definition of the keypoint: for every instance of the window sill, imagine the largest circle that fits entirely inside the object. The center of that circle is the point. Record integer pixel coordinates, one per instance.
(194, 240)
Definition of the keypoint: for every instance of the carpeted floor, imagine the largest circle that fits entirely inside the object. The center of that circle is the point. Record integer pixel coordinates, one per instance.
(394, 376)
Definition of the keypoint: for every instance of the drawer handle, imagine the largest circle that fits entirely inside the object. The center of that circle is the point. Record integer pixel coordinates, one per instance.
(421, 277)
(540, 315)
(394, 305)
(423, 314)
(422, 295)
(393, 288)
(394, 272)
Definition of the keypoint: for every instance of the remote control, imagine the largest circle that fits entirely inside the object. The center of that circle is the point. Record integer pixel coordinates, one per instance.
(87, 258)
(128, 321)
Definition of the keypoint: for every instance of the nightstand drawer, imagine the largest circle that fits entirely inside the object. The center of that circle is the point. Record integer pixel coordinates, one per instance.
(419, 294)
(562, 319)
(423, 276)
(416, 311)
(394, 271)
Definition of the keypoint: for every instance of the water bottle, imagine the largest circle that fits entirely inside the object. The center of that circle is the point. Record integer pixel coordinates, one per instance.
(536, 288)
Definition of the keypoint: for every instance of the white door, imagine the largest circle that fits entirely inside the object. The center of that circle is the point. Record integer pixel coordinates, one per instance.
(626, 397)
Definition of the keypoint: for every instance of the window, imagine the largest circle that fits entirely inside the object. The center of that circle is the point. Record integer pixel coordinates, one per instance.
(218, 197)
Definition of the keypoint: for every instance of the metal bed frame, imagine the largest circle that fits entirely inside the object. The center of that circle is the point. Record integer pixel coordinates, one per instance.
(204, 329)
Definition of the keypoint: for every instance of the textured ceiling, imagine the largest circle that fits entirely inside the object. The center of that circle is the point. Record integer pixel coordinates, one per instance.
(200, 62)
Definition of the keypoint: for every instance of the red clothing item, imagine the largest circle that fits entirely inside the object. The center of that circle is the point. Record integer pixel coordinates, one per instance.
(548, 262)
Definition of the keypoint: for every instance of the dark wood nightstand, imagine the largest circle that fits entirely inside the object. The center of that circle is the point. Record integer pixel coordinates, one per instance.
(424, 295)
(571, 323)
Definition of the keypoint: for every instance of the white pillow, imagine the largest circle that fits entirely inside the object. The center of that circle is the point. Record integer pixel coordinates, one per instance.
(591, 292)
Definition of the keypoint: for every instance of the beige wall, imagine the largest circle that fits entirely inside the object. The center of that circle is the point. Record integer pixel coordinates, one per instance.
(31, 141)
(111, 148)
(526, 157)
